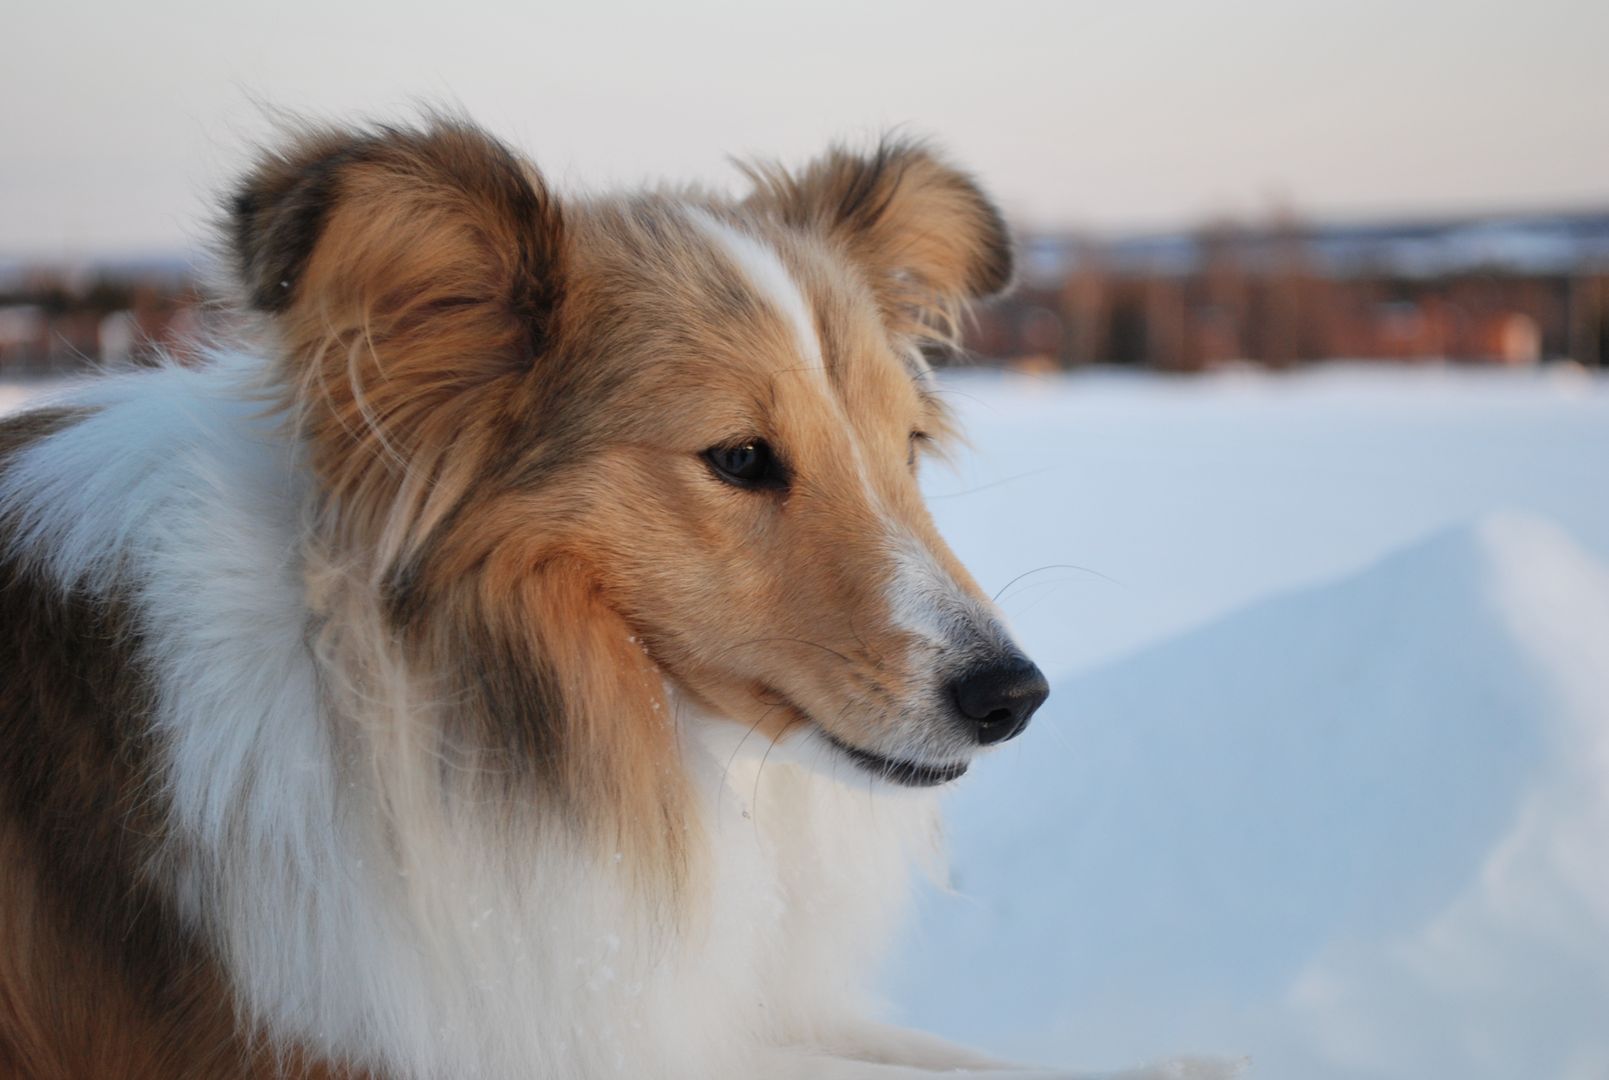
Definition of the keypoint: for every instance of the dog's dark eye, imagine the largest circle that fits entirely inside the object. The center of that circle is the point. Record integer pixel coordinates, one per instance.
(749, 464)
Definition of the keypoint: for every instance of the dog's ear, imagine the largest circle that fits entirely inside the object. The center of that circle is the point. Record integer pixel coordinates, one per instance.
(402, 270)
(924, 232)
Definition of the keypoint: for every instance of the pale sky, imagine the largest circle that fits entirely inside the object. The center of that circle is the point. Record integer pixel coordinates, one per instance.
(120, 120)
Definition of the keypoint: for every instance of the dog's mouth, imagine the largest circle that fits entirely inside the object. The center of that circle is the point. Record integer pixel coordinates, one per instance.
(906, 773)
(894, 770)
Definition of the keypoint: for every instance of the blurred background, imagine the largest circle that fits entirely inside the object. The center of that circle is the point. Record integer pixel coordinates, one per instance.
(1291, 452)
(1194, 184)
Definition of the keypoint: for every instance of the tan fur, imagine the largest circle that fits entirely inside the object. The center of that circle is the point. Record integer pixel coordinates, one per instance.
(532, 469)
(518, 545)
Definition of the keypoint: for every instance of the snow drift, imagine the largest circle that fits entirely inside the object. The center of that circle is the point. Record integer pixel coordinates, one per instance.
(1354, 831)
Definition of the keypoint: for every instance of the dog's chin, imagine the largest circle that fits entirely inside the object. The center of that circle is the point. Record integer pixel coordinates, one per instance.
(914, 774)
(902, 772)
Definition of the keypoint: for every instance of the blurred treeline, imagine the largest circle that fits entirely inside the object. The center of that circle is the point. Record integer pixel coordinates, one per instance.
(1516, 290)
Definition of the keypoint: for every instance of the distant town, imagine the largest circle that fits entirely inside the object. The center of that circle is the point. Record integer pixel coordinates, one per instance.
(1515, 290)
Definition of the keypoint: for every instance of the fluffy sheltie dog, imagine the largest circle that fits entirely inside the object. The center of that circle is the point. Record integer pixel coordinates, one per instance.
(392, 698)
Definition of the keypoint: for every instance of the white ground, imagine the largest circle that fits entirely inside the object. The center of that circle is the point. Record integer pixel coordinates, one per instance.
(1325, 778)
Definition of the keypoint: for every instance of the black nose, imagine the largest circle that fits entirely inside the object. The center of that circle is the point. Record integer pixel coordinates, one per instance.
(999, 698)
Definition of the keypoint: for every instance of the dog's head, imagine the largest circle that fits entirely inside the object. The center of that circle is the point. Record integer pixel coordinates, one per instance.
(579, 447)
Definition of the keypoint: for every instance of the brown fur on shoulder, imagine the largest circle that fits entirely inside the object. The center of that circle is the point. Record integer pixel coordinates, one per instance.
(98, 976)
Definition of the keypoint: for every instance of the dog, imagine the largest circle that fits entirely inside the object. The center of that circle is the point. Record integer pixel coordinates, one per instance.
(528, 655)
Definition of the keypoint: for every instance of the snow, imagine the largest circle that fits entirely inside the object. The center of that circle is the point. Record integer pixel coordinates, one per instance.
(1184, 499)
(1326, 780)
(1325, 776)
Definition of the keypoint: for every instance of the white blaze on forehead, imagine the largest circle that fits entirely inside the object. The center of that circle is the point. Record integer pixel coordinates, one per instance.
(769, 278)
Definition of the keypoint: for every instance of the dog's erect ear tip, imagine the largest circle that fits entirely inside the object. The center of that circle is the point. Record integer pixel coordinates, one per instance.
(995, 269)
(399, 266)
(276, 212)
(442, 180)
(903, 209)
(974, 219)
